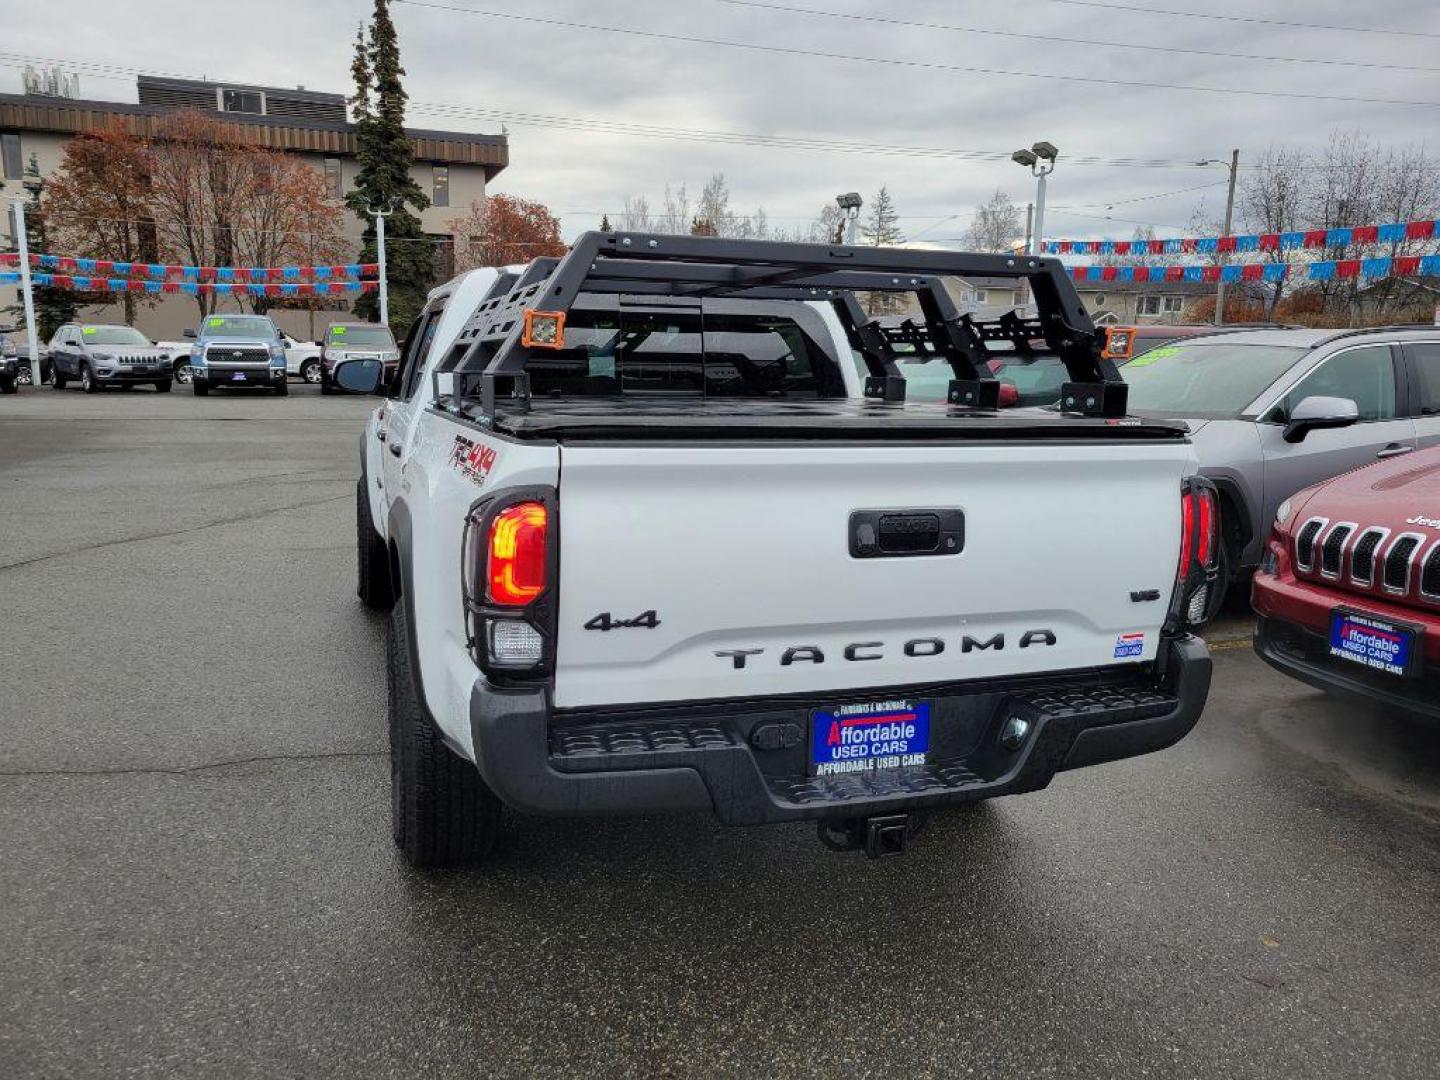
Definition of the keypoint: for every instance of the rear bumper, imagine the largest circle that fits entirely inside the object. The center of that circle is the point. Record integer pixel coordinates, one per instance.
(713, 756)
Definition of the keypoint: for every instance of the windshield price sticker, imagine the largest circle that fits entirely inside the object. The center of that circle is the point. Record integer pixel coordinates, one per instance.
(89, 331)
(867, 737)
(1372, 642)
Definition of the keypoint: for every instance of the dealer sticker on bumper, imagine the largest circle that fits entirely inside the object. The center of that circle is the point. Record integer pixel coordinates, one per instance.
(1375, 643)
(869, 736)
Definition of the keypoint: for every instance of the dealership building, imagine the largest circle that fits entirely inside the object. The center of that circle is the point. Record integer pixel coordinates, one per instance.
(453, 168)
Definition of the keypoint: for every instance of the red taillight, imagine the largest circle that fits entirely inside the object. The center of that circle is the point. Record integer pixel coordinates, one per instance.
(516, 560)
(1187, 532)
(1206, 539)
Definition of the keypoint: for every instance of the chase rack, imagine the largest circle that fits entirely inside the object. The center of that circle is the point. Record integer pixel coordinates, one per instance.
(524, 313)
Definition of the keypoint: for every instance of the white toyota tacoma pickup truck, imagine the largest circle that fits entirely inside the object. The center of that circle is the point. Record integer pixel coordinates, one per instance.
(657, 530)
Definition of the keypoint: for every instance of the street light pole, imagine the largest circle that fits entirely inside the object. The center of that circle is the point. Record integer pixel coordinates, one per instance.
(380, 216)
(1040, 159)
(849, 204)
(1229, 223)
(22, 242)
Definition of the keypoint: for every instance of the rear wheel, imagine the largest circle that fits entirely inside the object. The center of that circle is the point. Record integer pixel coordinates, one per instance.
(372, 560)
(310, 371)
(442, 813)
(200, 387)
(57, 381)
(88, 382)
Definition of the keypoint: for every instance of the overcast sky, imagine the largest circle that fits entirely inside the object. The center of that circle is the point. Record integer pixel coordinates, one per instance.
(470, 61)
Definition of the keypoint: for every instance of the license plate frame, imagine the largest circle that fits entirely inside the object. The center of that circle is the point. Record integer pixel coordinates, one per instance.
(1406, 659)
(857, 738)
(238, 376)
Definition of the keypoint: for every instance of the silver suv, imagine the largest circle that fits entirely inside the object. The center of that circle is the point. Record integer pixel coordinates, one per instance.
(97, 355)
(1274, 411)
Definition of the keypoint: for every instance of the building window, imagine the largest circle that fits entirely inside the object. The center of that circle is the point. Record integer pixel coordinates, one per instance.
(440, 183)
(1173, 305)
(1147, 305)
(242, 101)
(10, 164)
(333, 184)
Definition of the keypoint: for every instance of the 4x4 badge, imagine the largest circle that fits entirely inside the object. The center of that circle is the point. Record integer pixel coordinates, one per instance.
(605, 621)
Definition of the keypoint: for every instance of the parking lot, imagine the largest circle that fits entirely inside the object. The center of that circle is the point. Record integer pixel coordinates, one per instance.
(197, 877)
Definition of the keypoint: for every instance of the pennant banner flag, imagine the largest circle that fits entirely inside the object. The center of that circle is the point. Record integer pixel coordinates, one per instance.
(87, 283)
(1323, 270)
(161, 272)
(1277, 241)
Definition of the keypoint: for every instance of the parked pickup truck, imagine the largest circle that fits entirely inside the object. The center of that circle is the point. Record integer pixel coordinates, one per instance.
(643, 550)
(233, 350)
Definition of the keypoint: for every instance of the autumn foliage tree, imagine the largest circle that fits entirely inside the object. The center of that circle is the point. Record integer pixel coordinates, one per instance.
(505, 229)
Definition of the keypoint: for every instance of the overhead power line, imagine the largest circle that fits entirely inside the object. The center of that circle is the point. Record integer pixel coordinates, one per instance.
(1060, 39)
(923, 65)
(653, 131)
(1255, 19)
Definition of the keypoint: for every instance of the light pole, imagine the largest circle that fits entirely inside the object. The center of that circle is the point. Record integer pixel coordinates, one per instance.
(849, 204)
(380, 216)
(1234, 168)
(1040, 160)
(32, 185)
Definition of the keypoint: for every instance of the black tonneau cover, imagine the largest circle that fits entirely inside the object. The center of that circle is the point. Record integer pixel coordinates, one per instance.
(688, 419)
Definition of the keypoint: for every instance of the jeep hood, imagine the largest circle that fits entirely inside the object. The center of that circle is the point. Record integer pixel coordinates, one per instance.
(1401, 494)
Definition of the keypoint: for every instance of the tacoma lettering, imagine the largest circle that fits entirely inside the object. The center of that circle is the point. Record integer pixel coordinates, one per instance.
(859, 651)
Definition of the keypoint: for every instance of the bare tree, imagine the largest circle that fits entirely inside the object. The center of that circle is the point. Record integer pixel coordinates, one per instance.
(996, 226)
(635, 217)
(1271, 198)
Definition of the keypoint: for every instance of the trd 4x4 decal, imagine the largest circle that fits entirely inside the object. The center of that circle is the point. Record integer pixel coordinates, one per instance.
(605, 621)
(472, 460)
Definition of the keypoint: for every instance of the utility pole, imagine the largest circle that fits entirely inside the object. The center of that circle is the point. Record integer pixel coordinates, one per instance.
(1029, 225)
(380, 216)
(18, 210)
(1229, 223)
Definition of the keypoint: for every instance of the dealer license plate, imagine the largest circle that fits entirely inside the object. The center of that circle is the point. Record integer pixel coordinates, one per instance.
(869, 736)
(1376, 643)
(239, 376)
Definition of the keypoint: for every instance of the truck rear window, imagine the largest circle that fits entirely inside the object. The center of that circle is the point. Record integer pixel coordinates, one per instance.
(681, 351)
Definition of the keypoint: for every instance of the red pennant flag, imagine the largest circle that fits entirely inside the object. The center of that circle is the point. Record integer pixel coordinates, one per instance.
(207, 273)
(369, 286)
(1347, 268)
(1142, 273)
(1420, 230)
(67, 264)
(1225, 243)
(307, 273)
(1122, 247)
(1405, 265)
(134, 285)
(1156, 247)
(1270, 241)
(272, 290)
(337, 271)
(170, 287)
(242, 273)
(1107, 274)
(1174, 273)
(274, 273)
(1315, 238)
(367, 269)
(1365, 234)
(1252, 272)
(62, 281)
(238, 290)
(306, 290)
(336, 288)
(1210, 273)
(1188, 245)
(104, 267)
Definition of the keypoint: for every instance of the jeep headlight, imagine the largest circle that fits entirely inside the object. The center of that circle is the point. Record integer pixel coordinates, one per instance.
(1282, 514)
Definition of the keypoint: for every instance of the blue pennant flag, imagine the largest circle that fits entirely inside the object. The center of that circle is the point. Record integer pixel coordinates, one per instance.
(289, 290)
(1232, 273)
(1322, 271)
(291, 273)
(81, 283)
(189, 288)
(1339, 237)
(156, 271)
(50, 262)
(1392, 233)
(352, 270)
(42, 279)
(154, 286)
(1194, 273)
(85, 266)
(1430, 264)
(1249, 242)
(1092, 273)
(117, 284)
(190, 273)
(256, 290)
(1125, 273)
(1379, 267)
(1208, 246)
(225, 275)
(9, 277)
(124, 268)
(1289, 241)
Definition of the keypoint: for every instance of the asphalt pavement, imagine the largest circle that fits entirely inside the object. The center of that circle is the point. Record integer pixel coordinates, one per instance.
(197, 879)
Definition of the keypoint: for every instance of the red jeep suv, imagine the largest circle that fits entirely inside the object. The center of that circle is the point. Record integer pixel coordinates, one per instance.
(1348, 591)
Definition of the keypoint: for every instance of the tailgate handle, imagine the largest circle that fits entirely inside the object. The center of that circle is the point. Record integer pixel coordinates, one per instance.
(891, 534)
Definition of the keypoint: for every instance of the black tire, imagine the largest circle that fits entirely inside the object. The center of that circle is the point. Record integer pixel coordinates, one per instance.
(164, 386)
(310, 370)
(88, 382)
(200, 387)
(372, 575)
(57, 381)
(182, 371)
(8, 386)
(325, 387)
(441, 812)
(282, 389)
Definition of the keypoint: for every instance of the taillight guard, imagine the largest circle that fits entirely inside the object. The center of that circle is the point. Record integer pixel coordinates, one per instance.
(508, 573)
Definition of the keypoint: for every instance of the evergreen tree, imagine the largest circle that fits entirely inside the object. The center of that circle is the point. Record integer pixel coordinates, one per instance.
(882, 229)
(605, 223)
(384, 181)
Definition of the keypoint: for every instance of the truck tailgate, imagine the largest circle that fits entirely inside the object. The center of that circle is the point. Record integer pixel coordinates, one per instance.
(744, 554)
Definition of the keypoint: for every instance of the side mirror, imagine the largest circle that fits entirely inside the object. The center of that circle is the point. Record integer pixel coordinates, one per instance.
(1318, 412)
(189, 334)
(358, 376)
